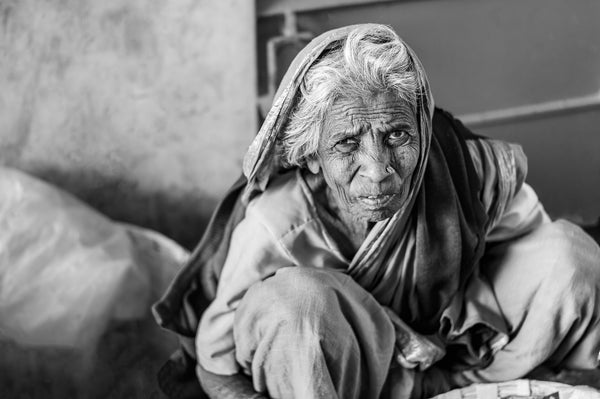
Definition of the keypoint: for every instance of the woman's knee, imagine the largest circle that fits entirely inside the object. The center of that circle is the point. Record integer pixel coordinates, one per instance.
(302, 318)
(296, 300)
(291, 291)
(292, 297)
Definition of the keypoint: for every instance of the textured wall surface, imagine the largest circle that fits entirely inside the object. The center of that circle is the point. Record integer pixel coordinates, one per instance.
(142, 108)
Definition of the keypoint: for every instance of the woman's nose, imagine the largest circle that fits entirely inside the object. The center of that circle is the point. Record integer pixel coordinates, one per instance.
(376, 169)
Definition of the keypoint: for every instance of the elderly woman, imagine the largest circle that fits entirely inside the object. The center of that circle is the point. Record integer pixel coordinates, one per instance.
(377, 248)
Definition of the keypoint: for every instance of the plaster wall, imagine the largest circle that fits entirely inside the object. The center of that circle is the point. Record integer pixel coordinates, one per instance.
(142, 108)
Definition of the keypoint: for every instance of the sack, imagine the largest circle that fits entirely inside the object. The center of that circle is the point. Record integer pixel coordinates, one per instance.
(65, 269)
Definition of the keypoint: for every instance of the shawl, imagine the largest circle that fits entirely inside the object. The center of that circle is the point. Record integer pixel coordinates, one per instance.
(417, 262)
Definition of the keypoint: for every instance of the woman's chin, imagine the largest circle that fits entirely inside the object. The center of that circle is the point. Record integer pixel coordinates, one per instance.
(376, 215)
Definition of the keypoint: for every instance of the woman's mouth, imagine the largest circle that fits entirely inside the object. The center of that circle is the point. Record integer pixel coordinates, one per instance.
(376, 201)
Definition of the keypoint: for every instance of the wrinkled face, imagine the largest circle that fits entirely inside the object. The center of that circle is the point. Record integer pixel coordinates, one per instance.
(368, 151)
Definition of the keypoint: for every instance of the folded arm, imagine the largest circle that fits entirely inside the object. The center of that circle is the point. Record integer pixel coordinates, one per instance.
(236, 386)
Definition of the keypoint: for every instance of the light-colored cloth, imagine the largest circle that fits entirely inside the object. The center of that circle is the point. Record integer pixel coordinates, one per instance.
(315, 333)
(547, 283)
(281, 229)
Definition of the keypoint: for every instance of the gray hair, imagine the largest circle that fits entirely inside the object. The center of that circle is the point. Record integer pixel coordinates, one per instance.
(371, 60)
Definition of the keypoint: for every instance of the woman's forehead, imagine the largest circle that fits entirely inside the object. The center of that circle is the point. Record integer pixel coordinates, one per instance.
(383, 107)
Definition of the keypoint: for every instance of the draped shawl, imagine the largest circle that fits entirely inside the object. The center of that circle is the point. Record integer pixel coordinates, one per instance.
(417, 262)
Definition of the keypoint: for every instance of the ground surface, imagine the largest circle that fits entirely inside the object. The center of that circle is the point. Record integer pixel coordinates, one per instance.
(124, 367)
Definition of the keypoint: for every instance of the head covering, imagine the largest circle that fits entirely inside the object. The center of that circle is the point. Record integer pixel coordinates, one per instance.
(415, 262)
(261, 162)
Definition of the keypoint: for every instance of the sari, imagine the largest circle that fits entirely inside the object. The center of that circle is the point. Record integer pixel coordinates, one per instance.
(422, 262)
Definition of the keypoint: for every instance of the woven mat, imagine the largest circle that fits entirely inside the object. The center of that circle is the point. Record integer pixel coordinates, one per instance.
(520, 389)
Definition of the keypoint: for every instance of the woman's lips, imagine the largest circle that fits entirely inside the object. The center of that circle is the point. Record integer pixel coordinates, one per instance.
(376, 201)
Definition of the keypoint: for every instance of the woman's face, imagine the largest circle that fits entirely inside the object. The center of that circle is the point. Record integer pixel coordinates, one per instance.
(368, 151)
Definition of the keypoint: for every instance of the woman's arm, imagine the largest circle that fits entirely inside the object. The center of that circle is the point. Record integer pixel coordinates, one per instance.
(512, 206)
(523, 214)
(236, 386)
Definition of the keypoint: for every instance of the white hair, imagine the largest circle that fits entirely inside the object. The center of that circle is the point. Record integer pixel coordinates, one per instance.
(371, 60)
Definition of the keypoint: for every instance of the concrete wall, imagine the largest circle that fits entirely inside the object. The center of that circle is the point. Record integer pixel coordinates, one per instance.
(488, 55)
(142, 108)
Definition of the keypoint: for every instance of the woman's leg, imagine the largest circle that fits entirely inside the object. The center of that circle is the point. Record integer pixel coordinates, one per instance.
(311, 333)
(547, 284)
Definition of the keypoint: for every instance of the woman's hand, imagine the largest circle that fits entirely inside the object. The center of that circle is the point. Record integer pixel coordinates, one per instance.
(236, 386)
(413, 350)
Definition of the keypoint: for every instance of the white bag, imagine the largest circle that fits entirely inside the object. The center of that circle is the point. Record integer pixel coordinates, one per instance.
(65, 270)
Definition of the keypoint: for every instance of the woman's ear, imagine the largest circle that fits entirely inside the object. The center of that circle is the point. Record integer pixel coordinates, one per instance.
(313, 165)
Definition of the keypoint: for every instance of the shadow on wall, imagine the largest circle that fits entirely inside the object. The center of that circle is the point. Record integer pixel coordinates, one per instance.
(179, 215)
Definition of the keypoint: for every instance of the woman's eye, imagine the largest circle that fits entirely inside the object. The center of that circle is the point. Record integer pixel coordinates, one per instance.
(347, 145)
(397, 137)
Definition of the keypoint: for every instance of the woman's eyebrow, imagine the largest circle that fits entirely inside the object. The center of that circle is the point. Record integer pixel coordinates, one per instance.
(347, 133)
(394, 125)
(397, 123)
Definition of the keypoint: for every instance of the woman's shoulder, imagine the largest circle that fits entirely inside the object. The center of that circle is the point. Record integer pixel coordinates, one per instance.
(284, 206)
